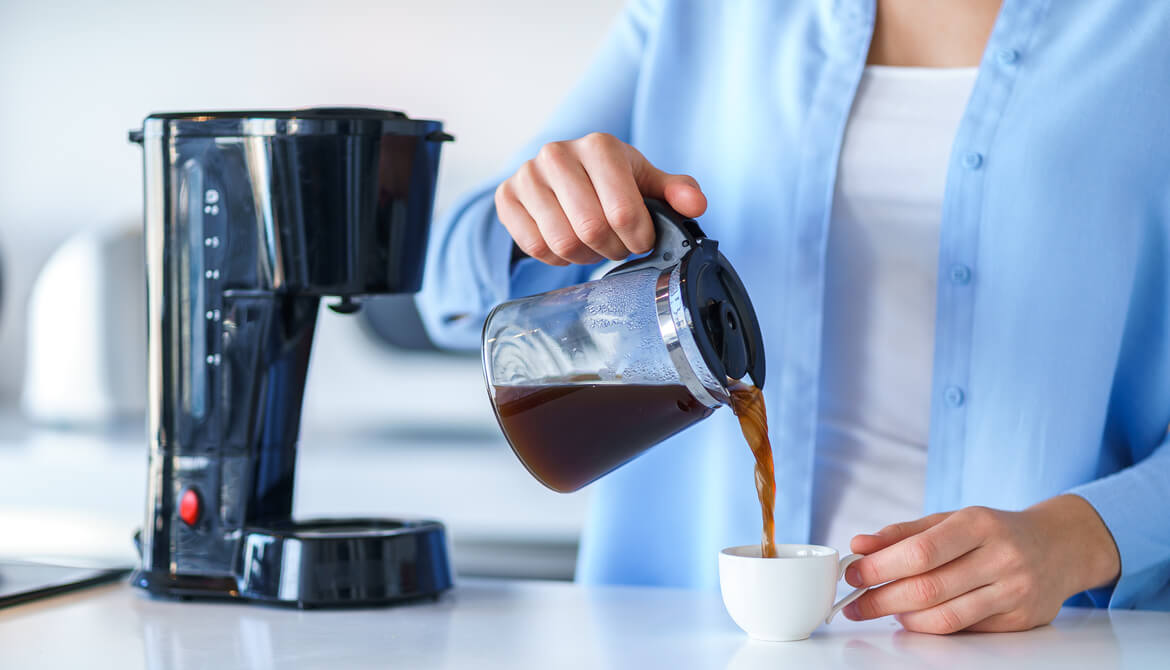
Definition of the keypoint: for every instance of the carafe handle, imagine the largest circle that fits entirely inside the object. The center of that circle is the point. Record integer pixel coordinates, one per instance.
(674, 237)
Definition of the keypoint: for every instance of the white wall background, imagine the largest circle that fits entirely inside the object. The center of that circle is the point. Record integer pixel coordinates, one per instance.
(75, 76)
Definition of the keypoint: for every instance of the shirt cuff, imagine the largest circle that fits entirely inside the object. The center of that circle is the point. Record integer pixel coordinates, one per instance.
(1133, 505)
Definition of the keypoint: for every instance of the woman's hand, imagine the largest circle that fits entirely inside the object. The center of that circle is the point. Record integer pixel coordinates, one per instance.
(983, 569)
(581, 200)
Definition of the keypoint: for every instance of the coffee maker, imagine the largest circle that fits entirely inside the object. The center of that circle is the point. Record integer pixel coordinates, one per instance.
(251, 218)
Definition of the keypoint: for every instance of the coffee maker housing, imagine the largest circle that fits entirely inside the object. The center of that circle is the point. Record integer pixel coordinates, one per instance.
(251, 218)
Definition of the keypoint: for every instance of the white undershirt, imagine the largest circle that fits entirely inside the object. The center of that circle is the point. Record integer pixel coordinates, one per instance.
(881, 276)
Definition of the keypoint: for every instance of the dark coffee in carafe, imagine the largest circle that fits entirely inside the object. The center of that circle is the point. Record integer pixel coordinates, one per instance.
(569, 435)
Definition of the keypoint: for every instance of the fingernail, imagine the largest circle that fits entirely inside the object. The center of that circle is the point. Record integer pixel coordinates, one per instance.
(851, 612)
(853, 576)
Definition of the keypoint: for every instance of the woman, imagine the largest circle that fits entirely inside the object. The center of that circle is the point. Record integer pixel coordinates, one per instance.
(953, 221)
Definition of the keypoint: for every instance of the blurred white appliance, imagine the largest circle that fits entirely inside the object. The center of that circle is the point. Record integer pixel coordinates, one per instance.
(86, 362)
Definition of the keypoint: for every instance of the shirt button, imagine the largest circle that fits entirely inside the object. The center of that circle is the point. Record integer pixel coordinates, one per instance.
(960, 274)
(1007, 56)
(973, 160)
(954, 396)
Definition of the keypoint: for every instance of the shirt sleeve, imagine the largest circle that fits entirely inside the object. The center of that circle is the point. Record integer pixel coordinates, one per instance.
(1134, 503)
(469, 269)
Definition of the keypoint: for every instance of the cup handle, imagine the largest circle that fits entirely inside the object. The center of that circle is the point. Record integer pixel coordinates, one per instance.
(845, 563)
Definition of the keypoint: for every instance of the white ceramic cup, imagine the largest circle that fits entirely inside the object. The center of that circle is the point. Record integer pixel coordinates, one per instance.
(784, 598)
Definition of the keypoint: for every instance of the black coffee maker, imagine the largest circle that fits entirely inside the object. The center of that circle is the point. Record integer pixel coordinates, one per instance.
(251, 219)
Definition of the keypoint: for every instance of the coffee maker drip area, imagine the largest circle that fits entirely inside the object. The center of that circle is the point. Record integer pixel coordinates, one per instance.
(251, 220)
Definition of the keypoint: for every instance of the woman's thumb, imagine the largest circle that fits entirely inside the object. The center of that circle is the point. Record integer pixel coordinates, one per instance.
(680, 191)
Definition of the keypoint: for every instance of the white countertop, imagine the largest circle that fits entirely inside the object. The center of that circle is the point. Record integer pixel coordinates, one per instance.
(526, 624)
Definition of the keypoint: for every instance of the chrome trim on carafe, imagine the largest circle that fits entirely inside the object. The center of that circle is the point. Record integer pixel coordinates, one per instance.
(675, 326)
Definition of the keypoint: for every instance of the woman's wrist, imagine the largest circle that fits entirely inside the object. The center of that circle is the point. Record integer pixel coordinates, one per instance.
(1084, 545)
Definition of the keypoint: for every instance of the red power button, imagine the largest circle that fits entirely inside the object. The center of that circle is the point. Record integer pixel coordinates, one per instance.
(189, 507)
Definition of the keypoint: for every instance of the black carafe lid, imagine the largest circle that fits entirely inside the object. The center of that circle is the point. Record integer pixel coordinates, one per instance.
(725, 327)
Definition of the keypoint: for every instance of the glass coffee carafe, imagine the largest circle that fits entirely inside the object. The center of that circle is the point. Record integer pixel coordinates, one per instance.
(585, 378)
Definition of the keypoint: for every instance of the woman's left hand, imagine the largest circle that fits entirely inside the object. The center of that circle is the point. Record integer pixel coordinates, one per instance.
(983, 569)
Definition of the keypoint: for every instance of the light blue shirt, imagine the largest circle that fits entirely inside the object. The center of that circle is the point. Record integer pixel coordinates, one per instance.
(1051, 365)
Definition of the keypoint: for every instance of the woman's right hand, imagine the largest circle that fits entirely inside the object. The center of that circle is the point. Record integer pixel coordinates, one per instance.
(580, 201)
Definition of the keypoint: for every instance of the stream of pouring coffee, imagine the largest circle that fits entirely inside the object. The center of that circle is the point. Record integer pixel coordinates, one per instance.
(747, 402)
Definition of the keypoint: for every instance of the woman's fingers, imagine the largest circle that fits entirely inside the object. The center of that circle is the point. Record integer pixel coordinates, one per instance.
(977, 569)
(956, 614)
(890, 535)
(582, 200)
(522, 227)
(612, 177)
(575, 192)
(683, 194)
(544, 208)
(964, 574)
(680, 191)
(871, 543)
(916, 554)
(1014, 620)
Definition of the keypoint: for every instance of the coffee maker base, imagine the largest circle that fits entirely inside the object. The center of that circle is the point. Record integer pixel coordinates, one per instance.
(323, 563)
